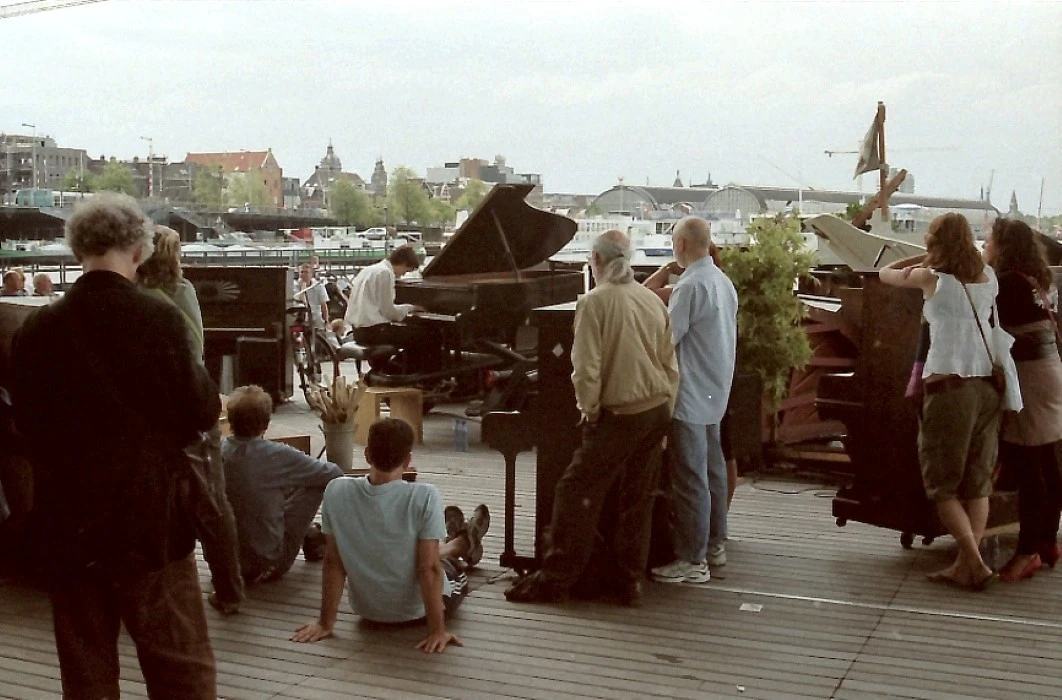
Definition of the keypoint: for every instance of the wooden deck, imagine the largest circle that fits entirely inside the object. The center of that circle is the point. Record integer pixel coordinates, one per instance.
(803, 609)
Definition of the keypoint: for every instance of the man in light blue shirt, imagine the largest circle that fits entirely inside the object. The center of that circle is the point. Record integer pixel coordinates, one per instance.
(382, 540)
(703, 310)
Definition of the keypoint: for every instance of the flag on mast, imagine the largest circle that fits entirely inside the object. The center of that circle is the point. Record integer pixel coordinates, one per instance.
(869, 155)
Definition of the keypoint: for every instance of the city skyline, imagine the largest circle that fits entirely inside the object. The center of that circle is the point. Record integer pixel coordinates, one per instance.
(752, 94)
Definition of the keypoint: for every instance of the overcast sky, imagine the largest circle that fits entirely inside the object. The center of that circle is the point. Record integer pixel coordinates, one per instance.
(581, 92)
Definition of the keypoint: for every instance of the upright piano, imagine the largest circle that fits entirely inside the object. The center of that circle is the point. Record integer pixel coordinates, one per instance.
(244, 318)
(486, 280)
(881, 425)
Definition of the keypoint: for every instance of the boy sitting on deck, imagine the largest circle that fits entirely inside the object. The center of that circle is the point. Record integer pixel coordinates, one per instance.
(275, 490)
(382, 539)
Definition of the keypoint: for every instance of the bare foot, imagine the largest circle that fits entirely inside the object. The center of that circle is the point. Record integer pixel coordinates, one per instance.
(948, 574)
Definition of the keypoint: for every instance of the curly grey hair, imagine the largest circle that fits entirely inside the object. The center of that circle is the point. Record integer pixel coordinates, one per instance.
(614, 252)
(109, 221)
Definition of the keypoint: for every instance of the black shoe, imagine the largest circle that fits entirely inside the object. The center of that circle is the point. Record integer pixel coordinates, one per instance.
(313, 544)
(223, 608)
(455, 521)
(532, 589)
(475, 528)
(630, 595)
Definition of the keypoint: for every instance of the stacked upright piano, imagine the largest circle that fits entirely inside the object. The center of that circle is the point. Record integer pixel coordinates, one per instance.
(881, 425)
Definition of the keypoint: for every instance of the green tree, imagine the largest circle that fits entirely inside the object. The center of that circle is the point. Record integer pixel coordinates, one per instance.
(352, 206)
(771, 341)
(115, 178)
(406, 199)
(474, 193)
(247, 189)
(441, 212)
(851, 210)
(209, 186)
(594, 210)
(74, 181)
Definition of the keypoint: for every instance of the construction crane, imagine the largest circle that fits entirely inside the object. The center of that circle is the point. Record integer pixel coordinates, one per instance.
(27, 7)
(831, 154)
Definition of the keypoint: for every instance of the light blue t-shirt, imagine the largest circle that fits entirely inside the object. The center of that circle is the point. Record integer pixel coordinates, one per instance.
(376, 529)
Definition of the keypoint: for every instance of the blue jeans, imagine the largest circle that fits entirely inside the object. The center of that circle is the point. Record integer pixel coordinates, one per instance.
(300, 507)
(698, 489)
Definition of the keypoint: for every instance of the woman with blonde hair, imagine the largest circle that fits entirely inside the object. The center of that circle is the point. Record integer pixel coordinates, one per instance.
(1030, 439)
(161, 276)
(958, 434)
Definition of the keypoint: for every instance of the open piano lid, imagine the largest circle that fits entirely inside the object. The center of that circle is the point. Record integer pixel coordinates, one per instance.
(503, 234)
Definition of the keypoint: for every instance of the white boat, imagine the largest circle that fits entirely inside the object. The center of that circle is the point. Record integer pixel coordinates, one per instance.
(646, 240)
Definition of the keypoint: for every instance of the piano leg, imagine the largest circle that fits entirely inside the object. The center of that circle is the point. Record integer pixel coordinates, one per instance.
(509, 552)
(509, 559)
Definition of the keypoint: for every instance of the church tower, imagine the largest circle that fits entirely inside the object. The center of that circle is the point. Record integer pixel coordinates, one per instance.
(379, 179)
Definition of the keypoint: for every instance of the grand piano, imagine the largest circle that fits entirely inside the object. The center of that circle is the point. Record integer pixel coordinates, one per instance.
(479, 290)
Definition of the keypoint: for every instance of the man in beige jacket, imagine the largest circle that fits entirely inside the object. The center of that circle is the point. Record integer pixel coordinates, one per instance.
(625, 379)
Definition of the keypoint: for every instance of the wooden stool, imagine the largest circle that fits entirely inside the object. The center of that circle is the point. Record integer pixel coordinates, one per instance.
(407, 404)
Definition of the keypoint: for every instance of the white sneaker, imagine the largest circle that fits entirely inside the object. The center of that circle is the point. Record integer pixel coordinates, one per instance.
(717, 555)
(682, 571)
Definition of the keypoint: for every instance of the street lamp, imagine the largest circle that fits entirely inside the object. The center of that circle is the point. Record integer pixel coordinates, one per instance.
(33, 151)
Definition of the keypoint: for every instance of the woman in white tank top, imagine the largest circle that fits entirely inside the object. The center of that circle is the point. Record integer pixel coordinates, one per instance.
(958, 434)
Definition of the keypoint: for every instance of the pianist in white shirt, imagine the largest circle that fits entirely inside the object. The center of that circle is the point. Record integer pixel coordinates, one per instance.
(375, 317)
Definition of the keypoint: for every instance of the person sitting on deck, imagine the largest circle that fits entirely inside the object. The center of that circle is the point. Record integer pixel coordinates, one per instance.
(382, 539)
(375, 317)
(274, 490)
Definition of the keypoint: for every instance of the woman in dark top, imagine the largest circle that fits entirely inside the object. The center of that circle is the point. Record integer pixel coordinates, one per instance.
(1030, 439)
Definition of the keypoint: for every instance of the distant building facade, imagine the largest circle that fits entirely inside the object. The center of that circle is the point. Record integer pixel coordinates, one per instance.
(36, 162)
(314, 191)
(378, 182)
(731, 208)
(244, 162)
(456, 174)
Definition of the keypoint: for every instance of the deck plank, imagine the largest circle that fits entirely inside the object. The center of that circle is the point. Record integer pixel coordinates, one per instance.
(846, 613)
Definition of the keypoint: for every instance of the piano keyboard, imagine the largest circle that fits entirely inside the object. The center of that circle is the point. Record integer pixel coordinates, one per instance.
(428, 316)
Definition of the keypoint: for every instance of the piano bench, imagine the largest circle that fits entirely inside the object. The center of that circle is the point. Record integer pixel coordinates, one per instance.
(359, 353)
(404, 403)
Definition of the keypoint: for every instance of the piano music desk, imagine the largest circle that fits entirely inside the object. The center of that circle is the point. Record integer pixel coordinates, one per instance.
(404, 403)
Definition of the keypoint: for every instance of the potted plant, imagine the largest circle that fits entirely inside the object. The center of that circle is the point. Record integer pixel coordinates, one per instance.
(771, 341)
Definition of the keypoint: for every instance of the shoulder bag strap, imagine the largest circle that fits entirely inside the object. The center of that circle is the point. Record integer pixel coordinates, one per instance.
(978, 319)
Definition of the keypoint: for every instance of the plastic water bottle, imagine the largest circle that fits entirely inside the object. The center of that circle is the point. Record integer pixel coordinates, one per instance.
(460, 435)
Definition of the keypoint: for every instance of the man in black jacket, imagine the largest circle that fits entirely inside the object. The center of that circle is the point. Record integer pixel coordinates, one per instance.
(107, 395)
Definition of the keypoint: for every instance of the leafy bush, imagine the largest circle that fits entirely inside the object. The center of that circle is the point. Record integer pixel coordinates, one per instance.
(771, 341)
